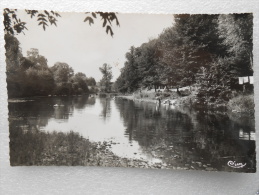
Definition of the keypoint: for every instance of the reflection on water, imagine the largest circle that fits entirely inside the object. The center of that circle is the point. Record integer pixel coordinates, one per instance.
(175, 137)
(106, 108)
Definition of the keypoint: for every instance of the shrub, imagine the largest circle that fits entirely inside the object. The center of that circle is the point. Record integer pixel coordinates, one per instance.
(166, 94)
(241, 103)
(102, 95)
(185, 92)
(137, 95)
(147, 95)
(186, 101)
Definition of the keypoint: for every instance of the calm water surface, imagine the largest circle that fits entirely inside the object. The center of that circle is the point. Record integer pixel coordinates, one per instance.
(176, 137)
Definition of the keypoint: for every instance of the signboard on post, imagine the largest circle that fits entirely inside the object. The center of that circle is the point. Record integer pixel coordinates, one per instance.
(251, 79)
(246, 79)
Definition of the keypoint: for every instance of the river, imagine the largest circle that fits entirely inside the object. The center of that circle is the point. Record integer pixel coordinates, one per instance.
(179, 137)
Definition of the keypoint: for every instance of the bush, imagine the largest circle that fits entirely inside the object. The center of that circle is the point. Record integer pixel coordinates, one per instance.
(242, 103)
(186, 101)
(185, 92)
(147, 95)
(166, 94)
(35, 147)
(102, 95)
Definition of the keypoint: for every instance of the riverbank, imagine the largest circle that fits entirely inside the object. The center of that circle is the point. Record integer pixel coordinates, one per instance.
(131, 97)
(237, 104)
(38, 148)
(157, 98)
(163, 137)
(27, 98)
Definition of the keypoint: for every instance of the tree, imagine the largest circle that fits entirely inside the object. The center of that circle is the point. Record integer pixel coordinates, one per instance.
(90, 81)
(129, 82)
(192, 43)
(39, 61)
(236, 30)
(79, 83)
(13, 53)
(105, 82)
(149, 65)
(13, 23)
(16, 65)
(38, 82)
(62, 72)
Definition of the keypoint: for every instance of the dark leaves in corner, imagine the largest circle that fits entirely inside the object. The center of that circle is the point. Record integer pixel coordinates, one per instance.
(107, 17)
(91, 21)
(108, 28)
(13, 24)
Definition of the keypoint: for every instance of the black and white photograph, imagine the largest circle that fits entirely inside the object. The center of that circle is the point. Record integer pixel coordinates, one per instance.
(159, 91)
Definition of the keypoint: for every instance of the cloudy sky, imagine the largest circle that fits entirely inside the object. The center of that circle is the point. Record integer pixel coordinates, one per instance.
(86, 48)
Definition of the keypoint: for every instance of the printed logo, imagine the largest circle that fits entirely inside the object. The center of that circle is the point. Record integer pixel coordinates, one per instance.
(236, 165)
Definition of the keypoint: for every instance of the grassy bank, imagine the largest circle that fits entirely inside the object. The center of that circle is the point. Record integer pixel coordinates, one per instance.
(34, 148)
(151, 96)
(37, 148)
(241, 103)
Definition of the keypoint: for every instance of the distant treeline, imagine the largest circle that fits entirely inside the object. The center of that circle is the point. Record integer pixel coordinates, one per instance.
(31, 75)
(209, 51)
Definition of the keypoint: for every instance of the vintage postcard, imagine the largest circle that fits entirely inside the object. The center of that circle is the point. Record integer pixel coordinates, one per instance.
(131, 90)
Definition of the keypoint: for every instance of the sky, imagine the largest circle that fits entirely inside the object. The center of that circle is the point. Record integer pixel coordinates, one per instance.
(86, 48)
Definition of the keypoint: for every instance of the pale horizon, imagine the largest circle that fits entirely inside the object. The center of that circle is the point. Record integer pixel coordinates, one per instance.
(86, 48)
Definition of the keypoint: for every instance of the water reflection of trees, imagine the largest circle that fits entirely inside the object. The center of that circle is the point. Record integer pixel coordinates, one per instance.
(220, 139)
(27, 116)
(106, 108)
(80, 102)
(194, 137)
(35, 113)
(142, 118)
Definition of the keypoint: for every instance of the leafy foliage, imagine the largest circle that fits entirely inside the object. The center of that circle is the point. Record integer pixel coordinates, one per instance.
(242, 104)
(31, 75)
(13, 53)
(107, 17)
(208, 51)
(237, 34)
(14, 25)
